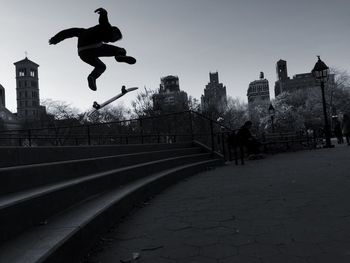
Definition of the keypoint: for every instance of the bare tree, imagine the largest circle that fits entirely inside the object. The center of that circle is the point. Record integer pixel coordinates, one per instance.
(236, 113)
(110, 113)
(339, 95)
(193, 104)
(61, 110)
(143, 104)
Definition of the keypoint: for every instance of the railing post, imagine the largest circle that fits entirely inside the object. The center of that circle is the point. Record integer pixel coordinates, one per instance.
(141, 131)
(175, 122)
(223, 144)
(88, 135)
(30, 137)
(212, 136)
(191, 125)
(229, 151)
(314, 138)
(308, 139)
(241, 149)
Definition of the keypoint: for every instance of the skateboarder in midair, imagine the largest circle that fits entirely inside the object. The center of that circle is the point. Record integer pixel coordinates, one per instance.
(92, 45)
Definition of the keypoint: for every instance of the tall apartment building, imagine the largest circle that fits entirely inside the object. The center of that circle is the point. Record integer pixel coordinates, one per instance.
(299, 81)
(2, 96)
(215, 97)
(259, 90)
(169, 97)
(27, 89)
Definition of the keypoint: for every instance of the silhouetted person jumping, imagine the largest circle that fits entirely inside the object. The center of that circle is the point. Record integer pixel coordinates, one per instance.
(91, 45)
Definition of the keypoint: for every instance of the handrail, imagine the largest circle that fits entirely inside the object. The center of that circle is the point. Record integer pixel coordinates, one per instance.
(99, 124)
(118, 122)
(191, 126)
(216, 122)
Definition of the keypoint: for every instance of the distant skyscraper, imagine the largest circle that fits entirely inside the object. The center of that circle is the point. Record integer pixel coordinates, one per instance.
(258, 90)
(27, 87)
(281, 69)
(169, 97)
(299, 81)
(214, 98)
(2, 96)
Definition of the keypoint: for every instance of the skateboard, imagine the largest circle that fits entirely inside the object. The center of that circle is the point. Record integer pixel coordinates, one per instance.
(96, 106)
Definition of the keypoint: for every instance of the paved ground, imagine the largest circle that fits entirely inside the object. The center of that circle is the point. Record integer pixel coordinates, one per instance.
(291, 207)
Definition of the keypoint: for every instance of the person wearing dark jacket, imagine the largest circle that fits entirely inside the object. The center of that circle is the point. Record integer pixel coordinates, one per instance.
(346, 127)
(338, 132)
(245, 138)
(92, 45)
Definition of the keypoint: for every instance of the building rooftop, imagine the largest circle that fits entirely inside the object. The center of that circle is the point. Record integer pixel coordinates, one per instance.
(25, 61)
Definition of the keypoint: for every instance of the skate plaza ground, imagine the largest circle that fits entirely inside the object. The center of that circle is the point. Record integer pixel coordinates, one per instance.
(290, 207)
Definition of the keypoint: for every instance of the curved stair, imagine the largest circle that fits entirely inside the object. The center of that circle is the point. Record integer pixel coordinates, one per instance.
(53, 210)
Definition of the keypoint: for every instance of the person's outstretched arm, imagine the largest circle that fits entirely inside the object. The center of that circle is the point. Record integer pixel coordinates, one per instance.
(64, 34)
(103, 19)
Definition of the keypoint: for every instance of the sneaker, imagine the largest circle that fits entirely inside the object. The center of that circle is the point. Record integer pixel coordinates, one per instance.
(124, 90)
(92, 83)
(126, 59)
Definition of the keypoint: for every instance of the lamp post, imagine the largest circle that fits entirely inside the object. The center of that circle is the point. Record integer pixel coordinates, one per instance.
(321, 73)
(272, 116)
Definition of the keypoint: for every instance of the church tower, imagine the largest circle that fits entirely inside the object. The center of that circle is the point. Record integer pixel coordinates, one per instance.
(27, 87)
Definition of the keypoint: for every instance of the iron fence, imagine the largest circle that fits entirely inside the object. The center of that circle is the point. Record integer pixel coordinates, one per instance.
(167, 128)
(187, 126)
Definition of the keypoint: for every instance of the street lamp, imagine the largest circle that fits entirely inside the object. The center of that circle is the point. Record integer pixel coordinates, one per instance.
(321, 73)
(272, 116)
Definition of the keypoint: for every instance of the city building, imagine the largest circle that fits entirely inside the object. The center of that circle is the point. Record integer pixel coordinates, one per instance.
(299, 81)
(259, 90)
(27, 89)
(215, 97)
(169, 97)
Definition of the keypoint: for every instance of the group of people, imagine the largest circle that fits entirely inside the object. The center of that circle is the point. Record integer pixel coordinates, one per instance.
(245, 138)
(342, 129)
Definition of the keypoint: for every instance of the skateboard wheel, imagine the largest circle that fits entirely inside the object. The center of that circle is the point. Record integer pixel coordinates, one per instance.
(96, 105)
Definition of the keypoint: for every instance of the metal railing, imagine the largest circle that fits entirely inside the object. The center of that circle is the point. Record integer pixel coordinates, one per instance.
(167, 128)
(186, 126)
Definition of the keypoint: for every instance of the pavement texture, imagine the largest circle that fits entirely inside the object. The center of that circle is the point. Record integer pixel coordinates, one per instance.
(290, 207)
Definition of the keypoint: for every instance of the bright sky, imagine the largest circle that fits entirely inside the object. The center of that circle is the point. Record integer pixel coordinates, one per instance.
(187, 38)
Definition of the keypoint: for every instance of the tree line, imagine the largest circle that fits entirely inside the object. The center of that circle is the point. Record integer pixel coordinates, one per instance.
(301, 109)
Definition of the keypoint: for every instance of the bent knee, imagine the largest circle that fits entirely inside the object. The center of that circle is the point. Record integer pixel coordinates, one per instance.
(101, 68)
(121, 51)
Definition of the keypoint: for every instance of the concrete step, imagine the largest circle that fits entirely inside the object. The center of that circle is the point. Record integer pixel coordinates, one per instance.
(66, 236)
(19, 178)
(14, 156)
(21, 210)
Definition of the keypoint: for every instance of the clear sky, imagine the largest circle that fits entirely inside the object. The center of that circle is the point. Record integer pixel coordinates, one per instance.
(187, 38)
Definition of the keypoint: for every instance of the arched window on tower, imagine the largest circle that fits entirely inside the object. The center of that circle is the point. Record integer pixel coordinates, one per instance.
(22, 72)
(32, 73)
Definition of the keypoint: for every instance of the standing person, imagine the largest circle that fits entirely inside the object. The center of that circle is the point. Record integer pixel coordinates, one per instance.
(346, 127)
(338, 132)
(245, 138)
(92, 45)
